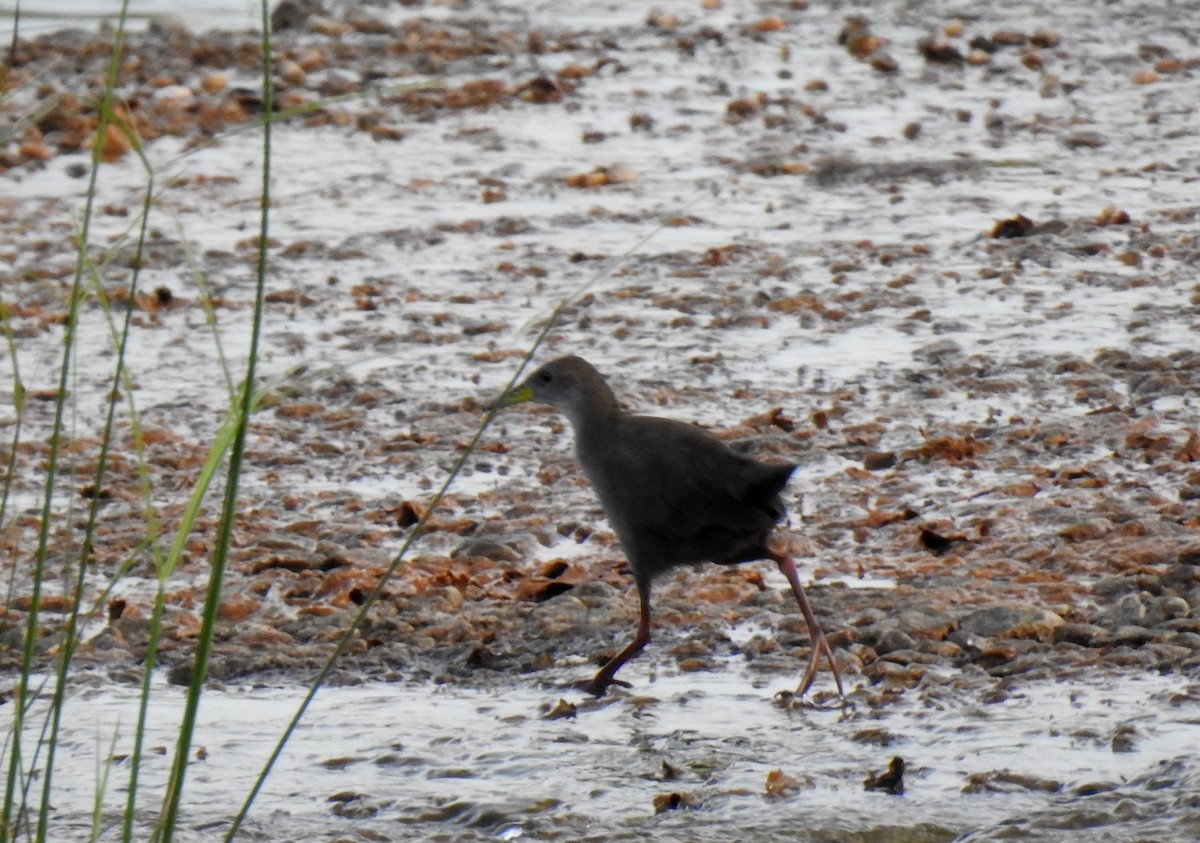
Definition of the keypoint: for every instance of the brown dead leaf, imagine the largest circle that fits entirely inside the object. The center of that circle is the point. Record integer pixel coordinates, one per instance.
(1140, 438)
(769, 24)
(1011, 228)
(805, 302)
(719, 255)
(1190, 452)
(1112, 216)
(1020, 490)
(299, 411)
(673, 801)
(543, 90)
(877, 518)
(562, 711)
(47, 603)
(779, 784)
(952, 449)
(497, 356)
(237, 607)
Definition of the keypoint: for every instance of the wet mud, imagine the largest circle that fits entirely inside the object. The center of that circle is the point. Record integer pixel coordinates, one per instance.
(946, 263)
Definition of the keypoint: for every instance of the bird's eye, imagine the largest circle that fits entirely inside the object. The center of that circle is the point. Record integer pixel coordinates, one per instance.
(545, 377)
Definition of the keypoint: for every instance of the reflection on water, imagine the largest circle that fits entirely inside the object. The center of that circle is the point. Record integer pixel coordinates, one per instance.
(1118, 757)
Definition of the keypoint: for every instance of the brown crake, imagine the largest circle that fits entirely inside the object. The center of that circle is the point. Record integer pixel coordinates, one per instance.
(673, 493)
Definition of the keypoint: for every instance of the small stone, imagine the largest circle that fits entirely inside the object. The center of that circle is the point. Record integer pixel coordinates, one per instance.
(879, 460)
(214, 82)
(1077, 633)
(876, 737)
(1128, 610)
(1009, 622)
(1129, 635)
(937, 49)
(1125, 739)
(1189, 625)
(891, 781)
(1036, 665)
(892, 640)
(444, 598)
(1116, 585)
(621, 174)
(983, 44)
(1191, 556)
(487, 548)
(1180, 578)
(1004, 781)
(933, 626)
(913, 657)
(1170, 607)
(892, 673)
(1094, 788)
(291, 72)
(180, 674)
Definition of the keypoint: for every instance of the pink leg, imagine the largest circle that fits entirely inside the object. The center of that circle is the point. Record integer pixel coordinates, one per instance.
(819, 642)
(604, 678)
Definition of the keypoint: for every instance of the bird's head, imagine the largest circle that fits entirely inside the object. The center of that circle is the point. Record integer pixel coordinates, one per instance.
(569, 384)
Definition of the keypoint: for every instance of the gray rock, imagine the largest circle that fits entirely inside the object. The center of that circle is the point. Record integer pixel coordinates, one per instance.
(1082, 634)
(913, 657)
(932, 625)
(1161, 609)
(513, 549)
(1011, 622)
(1124, 584)
(1181, 577)
(596, 593)
(890, 640)
(1129, 610)
(1130, 635)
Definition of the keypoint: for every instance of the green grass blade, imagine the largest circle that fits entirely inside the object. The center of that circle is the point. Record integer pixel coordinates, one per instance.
(18, 399)
(369, 601)
(67, 647)
(247, 400)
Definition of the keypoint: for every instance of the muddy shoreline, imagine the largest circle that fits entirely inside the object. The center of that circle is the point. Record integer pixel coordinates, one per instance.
(943, 262)
(1081, 562)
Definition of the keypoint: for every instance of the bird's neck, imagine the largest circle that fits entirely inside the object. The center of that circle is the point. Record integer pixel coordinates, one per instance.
(598, 418)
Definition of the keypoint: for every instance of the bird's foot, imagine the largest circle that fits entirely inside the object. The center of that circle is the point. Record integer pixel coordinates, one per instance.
(599, 684)
(820, 647)
(790, 700)
(820, 644)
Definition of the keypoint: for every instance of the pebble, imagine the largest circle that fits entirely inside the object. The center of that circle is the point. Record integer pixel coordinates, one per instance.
(1078, 633)
(1148, 615)
(491, 548)
(1129, 610)
(889, 640)
(1129, 635)
(1166, 608)
(1011, 622)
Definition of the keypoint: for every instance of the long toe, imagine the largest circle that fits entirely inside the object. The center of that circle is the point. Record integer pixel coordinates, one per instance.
(599, 684)
(810, 672)
(820, 646)
(833, 666)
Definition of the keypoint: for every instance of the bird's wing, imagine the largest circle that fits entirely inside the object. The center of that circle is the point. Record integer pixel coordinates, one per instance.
(678, 481)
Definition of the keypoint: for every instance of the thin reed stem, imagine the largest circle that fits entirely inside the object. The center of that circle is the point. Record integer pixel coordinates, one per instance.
(247, 396)
(32, 627)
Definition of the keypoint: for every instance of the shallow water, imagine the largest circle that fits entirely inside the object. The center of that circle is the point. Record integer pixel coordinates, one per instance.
(428, 762)
(443, 763)
(44, 16)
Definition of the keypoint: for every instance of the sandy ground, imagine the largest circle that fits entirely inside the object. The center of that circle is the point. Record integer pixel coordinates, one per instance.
(946, 263)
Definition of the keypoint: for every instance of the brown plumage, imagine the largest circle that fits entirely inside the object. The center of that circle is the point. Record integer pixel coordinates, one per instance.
(673, 493)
